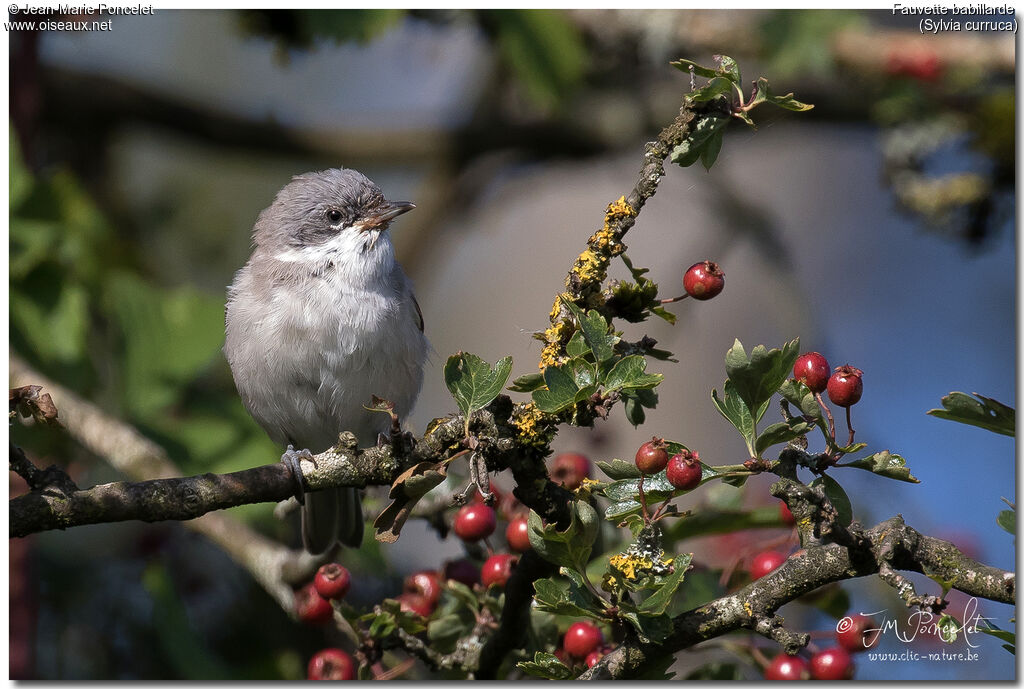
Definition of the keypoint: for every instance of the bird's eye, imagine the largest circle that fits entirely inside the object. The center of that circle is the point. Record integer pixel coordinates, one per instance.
(334, 216)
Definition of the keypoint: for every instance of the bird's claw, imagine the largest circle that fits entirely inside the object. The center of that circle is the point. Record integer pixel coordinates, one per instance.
(292, 458)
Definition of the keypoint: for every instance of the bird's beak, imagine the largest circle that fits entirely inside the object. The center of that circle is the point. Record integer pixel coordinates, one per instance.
(388, 211)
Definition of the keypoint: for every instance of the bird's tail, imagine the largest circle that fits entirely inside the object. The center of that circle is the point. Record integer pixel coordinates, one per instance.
(330, 516)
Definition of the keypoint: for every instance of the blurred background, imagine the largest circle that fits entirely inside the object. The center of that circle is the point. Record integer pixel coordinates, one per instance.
(878, 227)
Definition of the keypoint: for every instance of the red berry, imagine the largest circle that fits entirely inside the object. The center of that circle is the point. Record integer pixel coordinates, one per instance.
(415, 603)
(331, 663)
(765, 562)
(569, 469)
(424, 583)
(332, 580)
(474, 522)
(498, 496)
(812, 370)
(832, 664)
(845, 386)
(703, 280)
(311, 607)
(595, 656)
(462, 571)
(518, 535)
(784, 514)
(855, 636)
(582, 638)
(652, 456)
(498, 569)
(787, 668)
(684, 471)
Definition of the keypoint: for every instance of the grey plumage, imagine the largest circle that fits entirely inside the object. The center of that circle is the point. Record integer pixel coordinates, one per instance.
(320, 319)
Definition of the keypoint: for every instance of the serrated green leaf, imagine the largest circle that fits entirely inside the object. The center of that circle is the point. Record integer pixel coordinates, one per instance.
(445, 630)
(1007, 520)
(986, 627)
(758, 378)
(948, 628)
(657, 602)
(577, 345)
(472, 382)
(628, 373)
(651, 628)
(545, 665)
(624, 494)
(987, 413)
(707, 522)
(684, 66)
(781, 432)
(617, 469)
(886, 464)
(555, 599)
(527, 383)
(735, 412)
(789, 103)
(463, 594)
(840, 500)
(761, 92)
(728, 68)
(665, 315)
(560, 393)
(569, 548)
(595, 329)
(635, 413)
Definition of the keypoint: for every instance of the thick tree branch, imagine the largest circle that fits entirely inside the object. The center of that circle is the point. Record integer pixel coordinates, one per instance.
(889, 544)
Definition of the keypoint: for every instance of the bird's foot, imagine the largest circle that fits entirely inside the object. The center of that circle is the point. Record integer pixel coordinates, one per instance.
(292, 458)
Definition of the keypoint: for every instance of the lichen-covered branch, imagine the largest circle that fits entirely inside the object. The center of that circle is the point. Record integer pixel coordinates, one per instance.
(889, 544)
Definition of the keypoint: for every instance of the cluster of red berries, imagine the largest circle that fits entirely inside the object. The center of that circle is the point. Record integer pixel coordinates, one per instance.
(834, 663)
(844, 386)
(683, 469)
(583, 641)
(313, 606)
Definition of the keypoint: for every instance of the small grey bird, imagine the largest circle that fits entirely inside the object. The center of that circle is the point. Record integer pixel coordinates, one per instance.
(320, 319)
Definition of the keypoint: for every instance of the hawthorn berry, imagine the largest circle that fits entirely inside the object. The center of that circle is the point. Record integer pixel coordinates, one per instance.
(424, 583)
(415, 603)
(684, 471)
(652, 456)
(332, 580)
(498, 569)
(832, 664)
(582, 638)
(703, 280)
(595, 656)
(462, 571)
(812, 370)
(518, 535)
(855, 637)
(787, 668)
(765, 562)
(785, 515)
(474, 522)
(569, 469)
(311, 607)
(331, 663)
(845, 386)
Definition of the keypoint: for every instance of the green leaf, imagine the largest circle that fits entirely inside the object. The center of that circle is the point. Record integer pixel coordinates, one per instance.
(687, 152)
(527, 383)
(800, 396)
(618, 469)
(728, 68)
(546, 666)
(886, 464)
(987, 627)
(595, 329)
(447, 629)
(789, 103)
(657, 602)
(1007, 520)
(761, 92)
(759, 377)
(735, 411)
(570, 548)
(472, 382)
(781, 432)
(652, 629)
(577, 345)
(628, 373)
(835, 493)
(684, 66)
(988, 413)
(555, 599)
(560, 393)
(711, 90)
(948, 628)
(709, 153)
(624, 494)
(706, 522)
